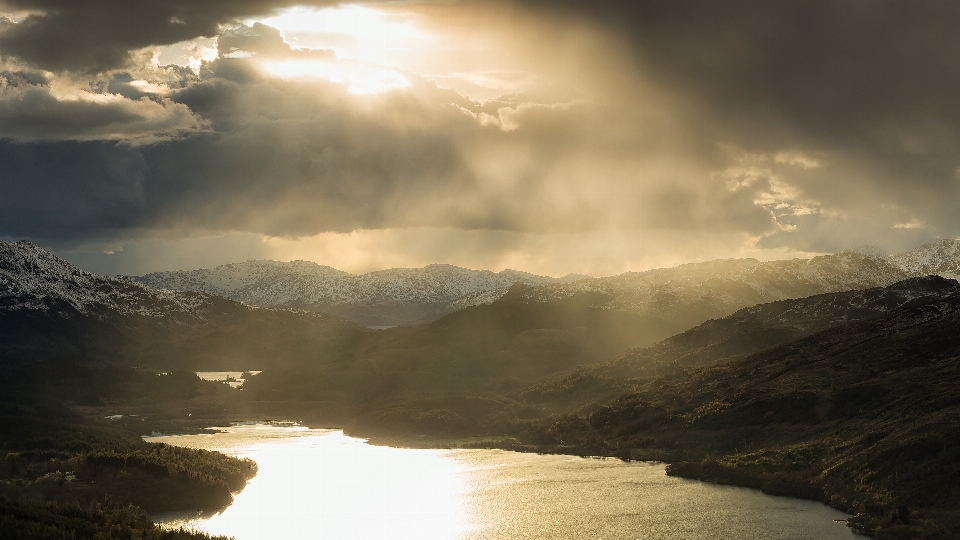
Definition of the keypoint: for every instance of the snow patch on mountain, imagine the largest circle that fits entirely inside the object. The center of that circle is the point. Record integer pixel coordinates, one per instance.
(718, 288)
(272, 283)
(32, 278)
(941, 258)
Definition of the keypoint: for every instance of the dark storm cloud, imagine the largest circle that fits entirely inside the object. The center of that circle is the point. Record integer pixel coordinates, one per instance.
(799, 123)
(298, 157)
(264, 40)
(869, 84)
(33, 114)
(93, 36)
(287, 158)
(62, 189)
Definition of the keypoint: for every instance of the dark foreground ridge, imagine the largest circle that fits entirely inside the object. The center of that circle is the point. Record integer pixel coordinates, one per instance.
(864, 416)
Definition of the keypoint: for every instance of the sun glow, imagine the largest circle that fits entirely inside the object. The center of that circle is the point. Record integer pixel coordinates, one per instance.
(364, 41)
(353, 32)
(360, 79)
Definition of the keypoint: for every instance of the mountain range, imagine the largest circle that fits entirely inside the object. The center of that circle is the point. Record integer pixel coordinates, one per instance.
(398, 296)
(745, 332)
(846, 396)
(48, 307)
(48, 304)
(677, 298)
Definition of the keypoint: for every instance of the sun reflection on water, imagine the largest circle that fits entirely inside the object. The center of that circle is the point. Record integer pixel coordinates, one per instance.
(322, 484)
(328, 485)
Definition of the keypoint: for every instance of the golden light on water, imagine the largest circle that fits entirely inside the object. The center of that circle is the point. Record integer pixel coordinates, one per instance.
(328, 485)
(320, 484)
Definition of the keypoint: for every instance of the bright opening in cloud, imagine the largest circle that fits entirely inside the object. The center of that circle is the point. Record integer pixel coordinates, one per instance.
(363, 40)
(477, 60)
(360, 79)
(363, 34)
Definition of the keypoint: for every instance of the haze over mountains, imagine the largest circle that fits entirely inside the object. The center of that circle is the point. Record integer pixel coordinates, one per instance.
(398, 296)
(48, 304)
(678, 298)
(745, 332)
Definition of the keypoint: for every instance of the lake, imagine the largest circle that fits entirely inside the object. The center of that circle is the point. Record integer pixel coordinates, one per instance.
(233, 378)
(323, 484)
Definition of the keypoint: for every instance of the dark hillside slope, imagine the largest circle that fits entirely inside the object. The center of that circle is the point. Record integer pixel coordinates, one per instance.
(747, 331)
(481, 351)
(865, 416)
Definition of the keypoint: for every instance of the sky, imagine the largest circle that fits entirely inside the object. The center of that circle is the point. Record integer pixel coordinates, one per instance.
(551, 137)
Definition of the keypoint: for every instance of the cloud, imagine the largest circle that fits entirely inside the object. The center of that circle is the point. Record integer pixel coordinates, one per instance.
(95, 36)
(860, 95)
(65, 190)
(291, 158)
(794, 125)
(264, 41)
(34, 112)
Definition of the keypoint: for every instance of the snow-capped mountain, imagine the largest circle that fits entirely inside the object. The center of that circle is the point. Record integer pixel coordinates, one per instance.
(763, 326)
(385, 297)
(692, 293)
(718, 288)
(34, 279)
(48, 307)
(685, 295)
(941, 258)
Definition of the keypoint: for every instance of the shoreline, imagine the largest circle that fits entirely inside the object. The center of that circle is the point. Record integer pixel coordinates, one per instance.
(804, 484)
(675, 468)
(489, 443)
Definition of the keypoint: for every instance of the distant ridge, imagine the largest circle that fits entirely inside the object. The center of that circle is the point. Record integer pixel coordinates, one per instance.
(50, 308)
(717, 288)
(941, 258)
(683, 296)
(398, 296)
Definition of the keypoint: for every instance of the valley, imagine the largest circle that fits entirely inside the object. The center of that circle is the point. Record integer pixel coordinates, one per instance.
(846, 395)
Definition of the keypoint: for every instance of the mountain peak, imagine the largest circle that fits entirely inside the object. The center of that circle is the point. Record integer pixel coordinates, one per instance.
(941, 258)
(870, 251)
(33, 278)
(387, 297)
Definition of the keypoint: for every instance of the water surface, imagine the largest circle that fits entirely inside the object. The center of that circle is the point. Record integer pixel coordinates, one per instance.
(323, 484)
(226, 376)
